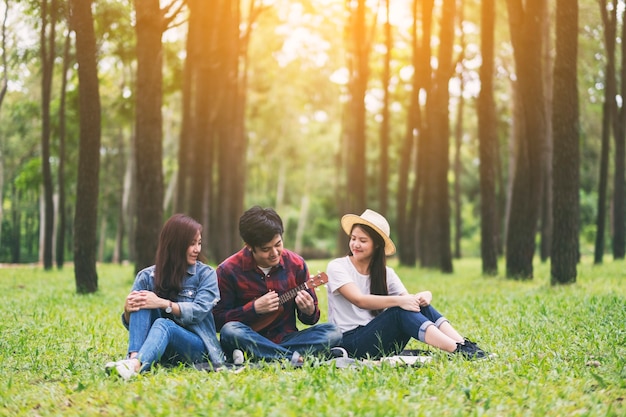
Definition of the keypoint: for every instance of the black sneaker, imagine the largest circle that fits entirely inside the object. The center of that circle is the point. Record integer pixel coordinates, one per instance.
(469, 350)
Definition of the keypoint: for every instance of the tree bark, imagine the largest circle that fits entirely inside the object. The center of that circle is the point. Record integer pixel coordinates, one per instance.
(546, 225)
(47, 50)
(185, 143)
(149, 133)
(610, 25)
(488, 140)
(86, 213)
(458, 142)
(359, 50)
(232, 142)
(566, 158)
(408, 197)
(62, 212)
(204, 100)
(619, 131)
(383, 164)
(435, 209)
(525, 23)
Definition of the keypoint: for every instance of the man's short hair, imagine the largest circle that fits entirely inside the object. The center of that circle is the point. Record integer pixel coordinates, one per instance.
(258, 226)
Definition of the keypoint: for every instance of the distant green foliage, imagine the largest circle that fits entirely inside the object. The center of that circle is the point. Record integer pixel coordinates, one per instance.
(561, 351)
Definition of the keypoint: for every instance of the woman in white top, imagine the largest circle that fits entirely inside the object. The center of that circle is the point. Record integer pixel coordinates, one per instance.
(371, 306)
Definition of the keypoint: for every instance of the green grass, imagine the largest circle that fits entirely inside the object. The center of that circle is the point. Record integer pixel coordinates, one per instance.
(561, 352)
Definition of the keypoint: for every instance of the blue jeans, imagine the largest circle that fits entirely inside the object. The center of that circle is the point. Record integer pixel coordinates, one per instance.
(315, 339)
(390, 331)
(158, 339)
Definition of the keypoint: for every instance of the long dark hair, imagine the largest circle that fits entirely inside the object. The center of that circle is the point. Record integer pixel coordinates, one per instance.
(378, 263)
(170, 268)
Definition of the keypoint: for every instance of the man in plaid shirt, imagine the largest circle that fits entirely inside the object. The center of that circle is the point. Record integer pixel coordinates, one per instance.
(250, 316)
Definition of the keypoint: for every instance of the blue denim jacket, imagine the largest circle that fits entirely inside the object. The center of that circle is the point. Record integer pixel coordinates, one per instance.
(196, 300)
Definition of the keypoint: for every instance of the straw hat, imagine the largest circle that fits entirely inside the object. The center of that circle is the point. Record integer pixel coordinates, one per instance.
(374, 220)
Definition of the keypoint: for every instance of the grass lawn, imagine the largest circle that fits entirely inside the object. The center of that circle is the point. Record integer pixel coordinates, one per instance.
(561, 352)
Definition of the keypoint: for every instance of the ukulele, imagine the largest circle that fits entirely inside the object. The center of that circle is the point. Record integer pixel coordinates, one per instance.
(266, 319)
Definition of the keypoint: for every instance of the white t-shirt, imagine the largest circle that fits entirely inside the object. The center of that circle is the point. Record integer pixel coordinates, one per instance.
(342, 312)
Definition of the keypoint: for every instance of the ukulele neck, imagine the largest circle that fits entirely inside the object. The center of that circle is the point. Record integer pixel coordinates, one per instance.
(291, 294)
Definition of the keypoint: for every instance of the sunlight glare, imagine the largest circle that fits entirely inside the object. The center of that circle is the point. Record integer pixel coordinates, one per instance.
(300, 41)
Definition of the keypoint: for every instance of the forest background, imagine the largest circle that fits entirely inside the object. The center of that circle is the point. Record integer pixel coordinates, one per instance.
(487, 128)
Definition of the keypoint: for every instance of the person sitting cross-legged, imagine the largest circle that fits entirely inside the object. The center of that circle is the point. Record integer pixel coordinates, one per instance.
(254, 316)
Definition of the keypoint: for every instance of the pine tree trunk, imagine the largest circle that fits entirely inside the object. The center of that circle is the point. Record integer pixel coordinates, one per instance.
(86, 212)
(149, 131)
(435, 209)
(487, 136)
(525, 23)
(610, 25)
(566, 158)
(47, 49)
(619, 197)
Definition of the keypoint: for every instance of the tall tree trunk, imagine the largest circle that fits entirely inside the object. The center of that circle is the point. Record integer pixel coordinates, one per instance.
(185, 143)
(129, 206)
(435, 209)
(4, 85)
(355, 158)
(546, 201)
(458, 141)
(423, 70)
(408, 197)
(383, 164)
(525, 23)
(48, 35)
(16, 220)
(203, 30)
(118, 249)
(619, 131)
(86, 213)
(610, 29)
(149, 133)
(566, 158)
(230, 130)
(62, 212)
(458, 169)
(488, 139)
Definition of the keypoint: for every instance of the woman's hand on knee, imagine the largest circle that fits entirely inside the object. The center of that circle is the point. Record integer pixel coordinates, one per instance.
(425, 298)
(410, 303)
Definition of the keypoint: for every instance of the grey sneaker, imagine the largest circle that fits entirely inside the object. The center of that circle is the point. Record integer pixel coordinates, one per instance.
(338, 352)
(238, 357)
(297, 360)
(340, 358)
(125, 368)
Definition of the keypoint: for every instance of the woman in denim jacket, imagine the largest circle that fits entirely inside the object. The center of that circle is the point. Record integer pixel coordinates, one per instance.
(168, 313)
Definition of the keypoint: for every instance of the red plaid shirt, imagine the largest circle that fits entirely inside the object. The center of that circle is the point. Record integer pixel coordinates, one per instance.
(241, 282)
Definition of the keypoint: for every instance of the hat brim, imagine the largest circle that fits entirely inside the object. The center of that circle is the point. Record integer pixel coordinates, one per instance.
(349, 220)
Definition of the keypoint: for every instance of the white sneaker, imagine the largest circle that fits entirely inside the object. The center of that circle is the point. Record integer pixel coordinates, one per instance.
(124, 368)
(238, 357)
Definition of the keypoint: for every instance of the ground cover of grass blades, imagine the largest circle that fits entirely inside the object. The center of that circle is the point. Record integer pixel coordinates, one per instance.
(561, 352)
